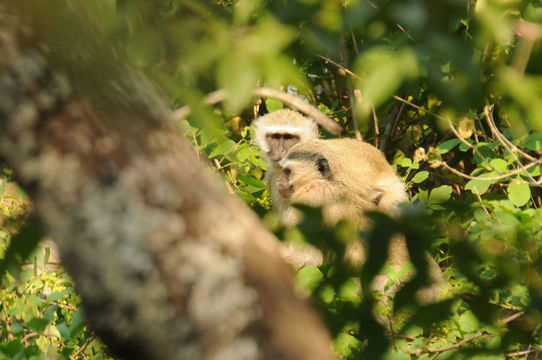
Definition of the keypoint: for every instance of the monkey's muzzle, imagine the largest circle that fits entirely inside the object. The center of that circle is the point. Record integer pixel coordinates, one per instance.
(283, 184)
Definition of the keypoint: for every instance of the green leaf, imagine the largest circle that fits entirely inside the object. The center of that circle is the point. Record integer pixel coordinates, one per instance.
(383, 71)
(20, 247)
(484, 149)
(37, 324)
(252, 182)
(448, 145)
(420, 176)
(12, 348)
(327, 294)
(468, 322)
(78, 323)
(406, 162)
(345, 344)
(64, 331)
(16, 328)
(533, 142)
(349, 291)
(223, 148)
(518, 193)
(273, 105)
(397, 356)
(414, 331)
(479, 185)
(58, 295)
(49, 314)
(308, 278)
(499, 165)
(439, 195)
(238, 74)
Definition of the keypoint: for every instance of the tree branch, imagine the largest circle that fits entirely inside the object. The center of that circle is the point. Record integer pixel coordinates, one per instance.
(290, 100)
(130, 206)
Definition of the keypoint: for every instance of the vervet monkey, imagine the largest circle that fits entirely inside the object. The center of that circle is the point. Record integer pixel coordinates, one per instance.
(344, 176)
(274, 134)
(347, 177)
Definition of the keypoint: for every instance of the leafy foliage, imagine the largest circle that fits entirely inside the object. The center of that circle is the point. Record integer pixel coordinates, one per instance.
(450, 91)
(39, 309)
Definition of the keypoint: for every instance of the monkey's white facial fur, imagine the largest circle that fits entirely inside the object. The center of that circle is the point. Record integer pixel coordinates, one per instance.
(276, 132)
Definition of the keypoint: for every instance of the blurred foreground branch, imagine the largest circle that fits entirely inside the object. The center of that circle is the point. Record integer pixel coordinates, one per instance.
(130, 206)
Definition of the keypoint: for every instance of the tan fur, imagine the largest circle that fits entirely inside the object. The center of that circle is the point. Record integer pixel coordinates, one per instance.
(346, 178)
(282, 121)
(361, 179)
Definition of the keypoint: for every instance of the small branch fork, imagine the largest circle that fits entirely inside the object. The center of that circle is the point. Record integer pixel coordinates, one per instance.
(457, 345)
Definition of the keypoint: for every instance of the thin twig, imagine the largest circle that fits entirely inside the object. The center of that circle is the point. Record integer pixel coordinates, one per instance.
(521, 353)
(348, 71)
(377, 131)
(456, 345)
(219, 167)
(68, 307)
(494, 178)
(501, 138)
(480, 200)
(82, 348)
(405, 32)
(510, 318)
(389, 128)
(354, 41)
(352, 98)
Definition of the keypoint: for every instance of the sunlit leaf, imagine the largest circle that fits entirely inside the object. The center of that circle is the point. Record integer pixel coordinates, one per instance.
(383, 72)
(308, 278)
(534, 142)
(448, 145)
(519, 193)
(224, 148)
(420, 176)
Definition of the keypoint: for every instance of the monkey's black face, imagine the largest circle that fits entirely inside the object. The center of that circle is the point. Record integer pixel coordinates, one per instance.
(284, 185)
(279, 144)
(301, 170)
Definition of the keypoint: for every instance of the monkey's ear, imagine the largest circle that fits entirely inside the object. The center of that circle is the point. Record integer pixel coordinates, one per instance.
(377, 196)
(323, 167)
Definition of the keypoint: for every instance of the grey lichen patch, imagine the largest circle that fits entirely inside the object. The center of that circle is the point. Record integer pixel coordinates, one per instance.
(112, 226)
(242, 349)
(220, 303)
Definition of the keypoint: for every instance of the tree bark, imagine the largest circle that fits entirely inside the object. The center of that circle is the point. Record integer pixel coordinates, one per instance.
(168, 265)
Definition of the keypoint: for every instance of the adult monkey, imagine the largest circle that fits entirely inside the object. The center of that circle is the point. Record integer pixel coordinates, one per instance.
(346, 178)
(275, 134)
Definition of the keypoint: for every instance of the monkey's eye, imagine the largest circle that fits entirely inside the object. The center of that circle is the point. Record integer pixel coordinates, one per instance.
(323, 167)
(276, 136)
(286, 171)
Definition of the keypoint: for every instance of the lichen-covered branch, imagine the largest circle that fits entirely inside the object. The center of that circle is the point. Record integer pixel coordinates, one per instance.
(168, 265)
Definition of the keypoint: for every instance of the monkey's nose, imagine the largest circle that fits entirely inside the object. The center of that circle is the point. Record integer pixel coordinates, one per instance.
(286, 191)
